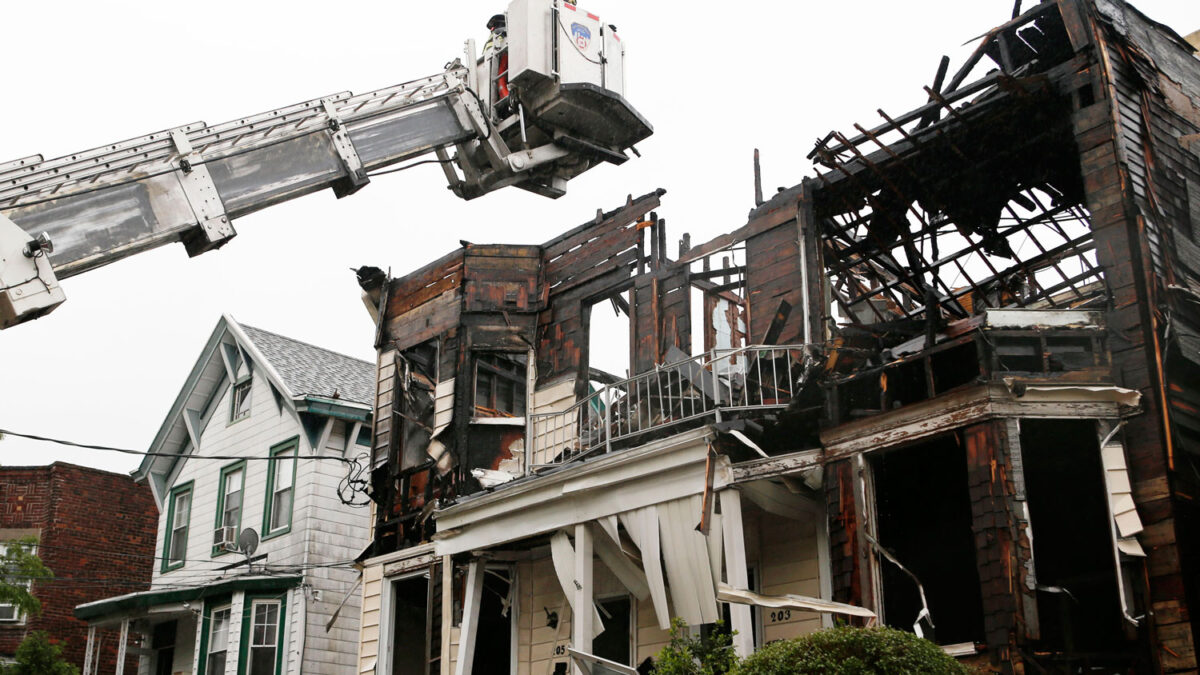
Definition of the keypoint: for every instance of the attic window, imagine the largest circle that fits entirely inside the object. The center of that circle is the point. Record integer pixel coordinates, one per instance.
(241, 401)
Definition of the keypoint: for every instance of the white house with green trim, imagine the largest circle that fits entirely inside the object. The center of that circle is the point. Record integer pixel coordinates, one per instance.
(262, 437)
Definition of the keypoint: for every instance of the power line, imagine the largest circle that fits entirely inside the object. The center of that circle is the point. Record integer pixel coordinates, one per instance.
(143, 453)
(347, 491)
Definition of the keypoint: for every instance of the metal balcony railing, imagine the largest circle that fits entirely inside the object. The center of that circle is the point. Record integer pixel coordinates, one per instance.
(706, 385)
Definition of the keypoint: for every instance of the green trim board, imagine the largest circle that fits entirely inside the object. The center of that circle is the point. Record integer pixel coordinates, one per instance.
(291, 445)
(219, 520)
(141, 600)
(248, 601)
(168, 531)
(319, 405)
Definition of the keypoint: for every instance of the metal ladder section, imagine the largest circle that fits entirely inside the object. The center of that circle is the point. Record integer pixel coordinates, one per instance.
(188, 183)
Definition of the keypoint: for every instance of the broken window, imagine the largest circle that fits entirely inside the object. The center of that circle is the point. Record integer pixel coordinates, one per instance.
(924, 522)
(500, 384)
(616, 642)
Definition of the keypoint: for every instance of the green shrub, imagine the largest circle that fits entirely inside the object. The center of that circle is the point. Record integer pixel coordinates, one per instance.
(852, 651)
(37, 655)
(687, 655)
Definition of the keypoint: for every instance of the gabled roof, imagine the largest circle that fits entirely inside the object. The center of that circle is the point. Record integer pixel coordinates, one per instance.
(304, 378)
(308, 370)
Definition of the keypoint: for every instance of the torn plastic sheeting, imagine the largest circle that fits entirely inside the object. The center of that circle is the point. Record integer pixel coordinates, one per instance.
(609, 525)
(625, 570)
(1033, 393)
(749, 443)
(562, 554)
(685, 554)
(726, 593)
(924, 613)
(642, 526)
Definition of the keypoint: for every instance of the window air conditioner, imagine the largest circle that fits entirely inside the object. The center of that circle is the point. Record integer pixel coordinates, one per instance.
(225, 538)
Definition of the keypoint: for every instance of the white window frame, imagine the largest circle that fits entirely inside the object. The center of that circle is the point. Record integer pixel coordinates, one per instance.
(286, 457)
(234, 477)
(18, 617)
(254, 605)
(212, 631)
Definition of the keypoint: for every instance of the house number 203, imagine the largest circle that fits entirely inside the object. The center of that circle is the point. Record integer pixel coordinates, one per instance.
(780, 615)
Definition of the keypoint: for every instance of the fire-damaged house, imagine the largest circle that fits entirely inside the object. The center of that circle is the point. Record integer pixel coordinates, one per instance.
(950, 383)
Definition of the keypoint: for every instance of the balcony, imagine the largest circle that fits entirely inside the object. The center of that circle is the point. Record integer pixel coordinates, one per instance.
(673, 397)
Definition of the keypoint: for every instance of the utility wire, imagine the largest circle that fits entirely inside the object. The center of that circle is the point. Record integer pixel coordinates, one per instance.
(143, 453)
(348, 490)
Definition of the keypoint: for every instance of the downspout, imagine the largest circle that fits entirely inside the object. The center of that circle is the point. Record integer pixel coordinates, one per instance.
(304, 585)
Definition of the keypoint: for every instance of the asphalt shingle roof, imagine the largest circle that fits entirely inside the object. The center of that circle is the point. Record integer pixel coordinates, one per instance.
(310, 370)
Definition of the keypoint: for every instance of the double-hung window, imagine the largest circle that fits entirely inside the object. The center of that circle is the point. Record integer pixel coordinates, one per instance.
(218, 641)
(264, 637)
(280, 488)
(179, 512)
(229, 506)
(10, 613)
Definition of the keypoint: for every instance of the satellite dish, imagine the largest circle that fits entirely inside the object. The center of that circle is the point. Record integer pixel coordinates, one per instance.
(247, 541)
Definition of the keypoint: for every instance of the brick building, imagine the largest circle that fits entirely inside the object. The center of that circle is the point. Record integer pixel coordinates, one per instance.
(95, 531)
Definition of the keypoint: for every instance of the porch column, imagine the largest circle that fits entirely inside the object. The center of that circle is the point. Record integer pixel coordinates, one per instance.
(121, 647)
(470, 620)
(735, 569)
(87, 651)
(582, 619)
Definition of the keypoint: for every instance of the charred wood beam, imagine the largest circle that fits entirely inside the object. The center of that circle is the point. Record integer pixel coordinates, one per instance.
(721, 272)
(952, 95)
(975, 246)
(933, 115)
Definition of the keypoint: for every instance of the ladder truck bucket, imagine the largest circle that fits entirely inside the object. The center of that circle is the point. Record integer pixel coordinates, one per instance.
(554, 75)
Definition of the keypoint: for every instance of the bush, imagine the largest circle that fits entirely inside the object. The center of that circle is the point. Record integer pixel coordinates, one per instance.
(852, 651)
(686, 655)
(37, 655)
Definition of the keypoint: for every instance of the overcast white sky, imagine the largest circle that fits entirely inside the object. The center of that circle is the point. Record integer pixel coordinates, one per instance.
(105, 367)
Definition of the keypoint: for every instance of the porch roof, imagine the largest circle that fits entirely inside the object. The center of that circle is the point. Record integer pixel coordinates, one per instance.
(131, 603)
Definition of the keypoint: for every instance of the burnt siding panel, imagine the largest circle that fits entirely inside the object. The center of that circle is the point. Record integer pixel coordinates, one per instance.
(773, 274)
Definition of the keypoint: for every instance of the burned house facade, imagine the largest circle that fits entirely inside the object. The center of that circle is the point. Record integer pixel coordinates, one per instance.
(948, 383)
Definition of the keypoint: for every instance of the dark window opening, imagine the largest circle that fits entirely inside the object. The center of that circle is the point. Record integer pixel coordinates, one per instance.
(924, 519)
(410, 626)
(1022, 355)
(500, 385)
(163, 641)
(1072, 539)
(493, 636)
(955, 367)
(615, 643)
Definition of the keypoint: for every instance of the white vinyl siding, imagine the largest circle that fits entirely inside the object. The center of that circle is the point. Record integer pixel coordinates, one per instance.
(322, 525)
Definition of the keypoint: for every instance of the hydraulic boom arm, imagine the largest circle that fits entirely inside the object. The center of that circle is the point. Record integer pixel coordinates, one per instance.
(68, 215)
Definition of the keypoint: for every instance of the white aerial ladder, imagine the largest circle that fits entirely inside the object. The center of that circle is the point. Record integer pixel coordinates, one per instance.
(541, 106)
